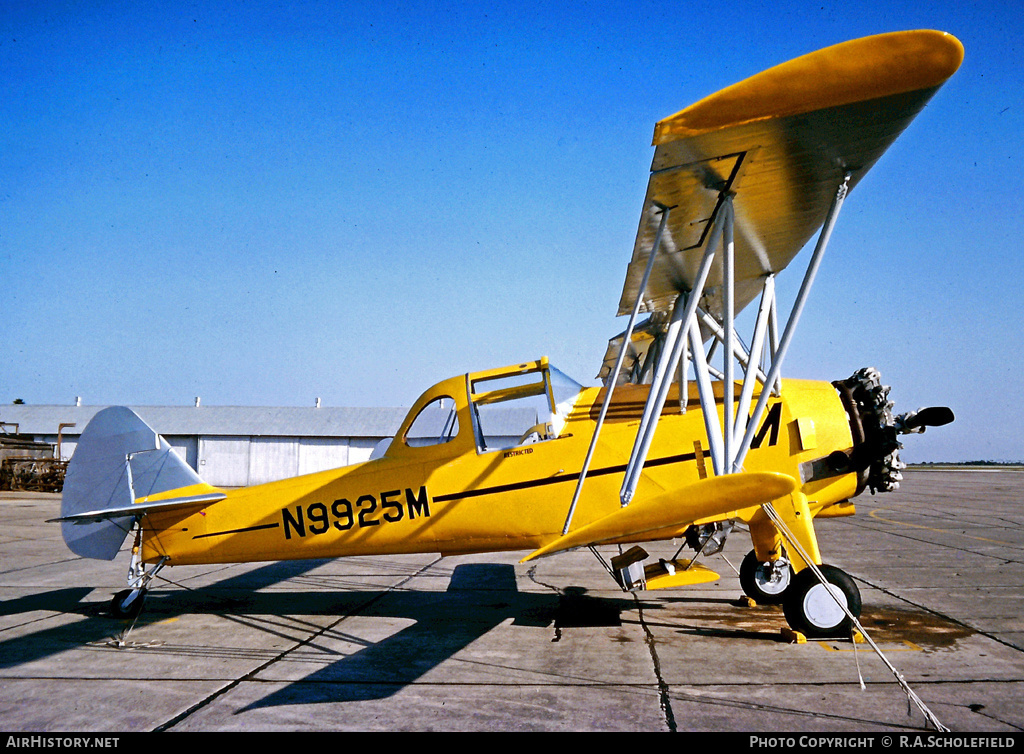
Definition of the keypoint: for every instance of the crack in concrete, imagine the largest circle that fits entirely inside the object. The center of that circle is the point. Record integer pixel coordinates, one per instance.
(665, 700)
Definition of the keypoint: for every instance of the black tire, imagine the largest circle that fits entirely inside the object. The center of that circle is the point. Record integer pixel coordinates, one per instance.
(810, 610)
(125, 606)
(757, 584)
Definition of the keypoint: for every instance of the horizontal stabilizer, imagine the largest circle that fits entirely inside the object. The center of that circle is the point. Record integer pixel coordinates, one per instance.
(95, 516)
(122, 469)
(706, 498)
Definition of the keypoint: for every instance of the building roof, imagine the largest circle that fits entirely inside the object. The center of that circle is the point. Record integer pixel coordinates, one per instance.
(287, 421)
(253, 421)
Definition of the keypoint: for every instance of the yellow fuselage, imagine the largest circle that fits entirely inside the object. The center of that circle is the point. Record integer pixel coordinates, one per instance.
(453, 498)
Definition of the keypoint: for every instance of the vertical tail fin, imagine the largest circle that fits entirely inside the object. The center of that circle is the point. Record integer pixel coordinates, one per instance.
(119, 459)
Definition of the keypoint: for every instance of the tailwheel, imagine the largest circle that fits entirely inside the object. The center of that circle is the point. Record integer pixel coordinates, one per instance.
(812, 610)
(127, 603)
(765, 582)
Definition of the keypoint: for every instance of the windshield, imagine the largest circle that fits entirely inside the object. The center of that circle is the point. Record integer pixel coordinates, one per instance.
(564, 391)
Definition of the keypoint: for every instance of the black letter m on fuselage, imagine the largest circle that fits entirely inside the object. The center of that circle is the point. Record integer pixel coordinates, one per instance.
(773, 420)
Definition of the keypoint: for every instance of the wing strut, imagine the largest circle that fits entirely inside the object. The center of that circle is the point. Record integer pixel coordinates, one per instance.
(775, 370)
(683, 318)
(626, 339)
(729, 436)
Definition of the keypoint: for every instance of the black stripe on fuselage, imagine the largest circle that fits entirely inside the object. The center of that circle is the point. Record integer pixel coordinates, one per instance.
(236, 531)
(497, 489)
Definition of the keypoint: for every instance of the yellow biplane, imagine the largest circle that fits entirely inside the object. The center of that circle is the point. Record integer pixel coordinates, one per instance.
(693, 428)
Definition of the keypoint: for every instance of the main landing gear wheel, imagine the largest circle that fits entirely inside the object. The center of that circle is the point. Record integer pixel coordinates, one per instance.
(127, 603)
(765, 583)
(812, 611)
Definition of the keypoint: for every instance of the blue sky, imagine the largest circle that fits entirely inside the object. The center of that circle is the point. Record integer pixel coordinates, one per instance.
(264, 203)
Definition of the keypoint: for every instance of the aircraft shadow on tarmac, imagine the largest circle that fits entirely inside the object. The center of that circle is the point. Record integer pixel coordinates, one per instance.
(479, 597)
(99, 626)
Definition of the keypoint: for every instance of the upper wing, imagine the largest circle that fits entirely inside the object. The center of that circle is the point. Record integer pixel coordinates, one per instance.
(780, 142)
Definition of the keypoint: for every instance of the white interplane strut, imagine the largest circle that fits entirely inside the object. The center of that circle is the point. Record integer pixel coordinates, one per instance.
(618, 365)
(731, 433)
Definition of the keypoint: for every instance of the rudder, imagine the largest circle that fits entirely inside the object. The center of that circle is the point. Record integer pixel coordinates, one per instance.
(98, 479)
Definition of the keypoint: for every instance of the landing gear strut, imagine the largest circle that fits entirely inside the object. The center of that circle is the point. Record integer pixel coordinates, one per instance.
(127, 604)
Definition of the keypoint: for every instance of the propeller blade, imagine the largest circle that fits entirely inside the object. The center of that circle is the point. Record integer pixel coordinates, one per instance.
(934, 416)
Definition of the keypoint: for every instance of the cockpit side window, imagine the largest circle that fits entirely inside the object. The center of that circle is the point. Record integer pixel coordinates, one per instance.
(435, 424)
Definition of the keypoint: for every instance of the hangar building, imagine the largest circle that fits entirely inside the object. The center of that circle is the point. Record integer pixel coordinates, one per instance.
(232, 446)
(236, 446)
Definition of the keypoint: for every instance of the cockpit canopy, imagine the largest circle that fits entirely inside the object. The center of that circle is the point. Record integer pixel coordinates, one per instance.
(516, 406)
(500, 408)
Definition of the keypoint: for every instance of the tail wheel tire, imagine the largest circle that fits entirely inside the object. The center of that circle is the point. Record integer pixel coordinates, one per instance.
(765, 583)
(812, 610)
(127, 603)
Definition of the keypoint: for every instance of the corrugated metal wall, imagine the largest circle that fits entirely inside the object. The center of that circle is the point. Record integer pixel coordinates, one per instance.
(241, 461)
(229, 461)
